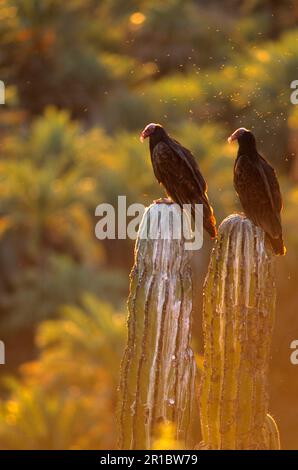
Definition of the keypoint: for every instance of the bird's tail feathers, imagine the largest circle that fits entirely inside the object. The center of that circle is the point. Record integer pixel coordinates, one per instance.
(277, 245)
(209, 221)
(210, 225)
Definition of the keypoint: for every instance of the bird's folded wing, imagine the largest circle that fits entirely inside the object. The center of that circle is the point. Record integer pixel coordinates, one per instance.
(176, 175)
(257, 196)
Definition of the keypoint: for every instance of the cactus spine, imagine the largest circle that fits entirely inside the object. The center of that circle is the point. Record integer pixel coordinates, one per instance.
(238, 316)
(158, 367)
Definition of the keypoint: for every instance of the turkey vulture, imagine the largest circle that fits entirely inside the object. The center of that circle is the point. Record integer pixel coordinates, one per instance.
(256, 184)
(176, 170)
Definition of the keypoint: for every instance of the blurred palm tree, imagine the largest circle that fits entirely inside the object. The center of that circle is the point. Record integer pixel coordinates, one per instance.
(66, 398)
(49, 188)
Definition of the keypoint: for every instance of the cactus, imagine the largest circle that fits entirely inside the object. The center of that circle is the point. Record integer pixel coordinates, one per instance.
(158, 369)
(238, 316)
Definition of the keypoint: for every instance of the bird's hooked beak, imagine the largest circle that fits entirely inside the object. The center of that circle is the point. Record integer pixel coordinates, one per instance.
(231, 138)
(145, 133)
(236, 134)
(149, 129)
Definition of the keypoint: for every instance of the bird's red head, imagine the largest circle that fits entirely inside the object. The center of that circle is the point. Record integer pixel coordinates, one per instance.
(148, 130)
(238, 134)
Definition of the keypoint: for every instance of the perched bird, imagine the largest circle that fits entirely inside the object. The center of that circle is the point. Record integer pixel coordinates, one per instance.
(256, 184)
(176, 170)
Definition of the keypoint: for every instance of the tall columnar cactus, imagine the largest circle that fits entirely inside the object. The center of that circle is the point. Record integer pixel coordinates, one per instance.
(238, 316)
(158, 368)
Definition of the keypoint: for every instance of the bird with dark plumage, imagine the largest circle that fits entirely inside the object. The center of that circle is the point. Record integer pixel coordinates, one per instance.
(257, 186)
(175, 168)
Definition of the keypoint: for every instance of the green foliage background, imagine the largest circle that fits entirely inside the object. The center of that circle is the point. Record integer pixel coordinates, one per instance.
(82, 79)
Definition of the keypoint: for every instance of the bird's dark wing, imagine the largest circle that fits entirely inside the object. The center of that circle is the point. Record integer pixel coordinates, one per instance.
(258, 194)
(190, 161)
(272, 184)
(182, 182)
